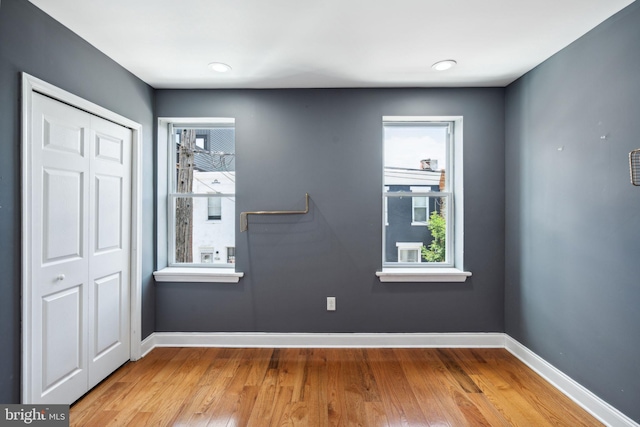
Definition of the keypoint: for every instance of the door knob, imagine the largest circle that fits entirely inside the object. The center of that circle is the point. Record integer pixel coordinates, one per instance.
(60, 277)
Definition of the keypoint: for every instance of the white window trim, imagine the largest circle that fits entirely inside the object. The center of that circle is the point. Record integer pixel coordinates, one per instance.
(408, 274)
(435, 273)
(385, 202)
(198, 275)
(182, 274)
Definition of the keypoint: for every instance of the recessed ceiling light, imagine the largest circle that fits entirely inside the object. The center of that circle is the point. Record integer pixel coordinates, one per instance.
(219, 67)
(444, 65)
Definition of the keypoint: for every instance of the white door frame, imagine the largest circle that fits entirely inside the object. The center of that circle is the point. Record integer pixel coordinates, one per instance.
(30, 85)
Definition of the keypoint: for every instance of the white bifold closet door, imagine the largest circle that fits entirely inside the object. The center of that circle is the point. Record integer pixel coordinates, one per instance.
(80, 249)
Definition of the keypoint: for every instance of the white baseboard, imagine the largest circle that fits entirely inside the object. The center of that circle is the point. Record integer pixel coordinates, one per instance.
(322, 340)
(147, 345)
(591, 403)
(583, 397)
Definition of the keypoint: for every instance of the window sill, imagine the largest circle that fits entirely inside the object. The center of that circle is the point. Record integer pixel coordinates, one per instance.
(200, 275)
(422, 275)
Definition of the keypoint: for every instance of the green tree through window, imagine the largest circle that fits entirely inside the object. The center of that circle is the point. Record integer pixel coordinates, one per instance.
(436, 250)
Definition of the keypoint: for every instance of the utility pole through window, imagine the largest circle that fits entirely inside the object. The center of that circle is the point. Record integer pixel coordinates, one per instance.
(184, 205)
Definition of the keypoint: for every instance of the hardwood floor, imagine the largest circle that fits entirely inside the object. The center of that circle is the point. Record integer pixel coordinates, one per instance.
(326, 387)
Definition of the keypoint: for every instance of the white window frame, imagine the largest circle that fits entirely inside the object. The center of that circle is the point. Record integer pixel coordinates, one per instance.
(453, 270)
(169, 271)
(385, 203)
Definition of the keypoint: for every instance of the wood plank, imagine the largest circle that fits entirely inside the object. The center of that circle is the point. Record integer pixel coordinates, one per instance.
(550, 402)
(96, 401)
(447, 390)
(375, 415)
(125, 397)
(456, 371)
(296, 415)
(300, 380)
(260, 363)
(356, 388)
(228, 402)
(140, 419)
(282, 399)
(222, 362)
(323, 387)
(370, 384)
(191, 413)
(421, 378)
(316, 391)
(128, 407)
(401, 405)
(336, 408)
(220, 397)
(507, 400)
(245, 405)
(185, 370)
(265, 400)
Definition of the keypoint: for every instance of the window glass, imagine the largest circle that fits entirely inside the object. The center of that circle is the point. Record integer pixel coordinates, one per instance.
(202, 196)
(420, 210)
(416, 192)
(214, 208)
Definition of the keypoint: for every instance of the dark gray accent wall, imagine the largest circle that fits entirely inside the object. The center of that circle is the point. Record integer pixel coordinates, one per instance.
(32, 42)
(328, 142)
(572, 216)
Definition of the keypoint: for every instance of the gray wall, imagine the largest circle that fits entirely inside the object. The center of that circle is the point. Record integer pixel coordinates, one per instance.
(31, 41)
(329, 143)
(572, 217)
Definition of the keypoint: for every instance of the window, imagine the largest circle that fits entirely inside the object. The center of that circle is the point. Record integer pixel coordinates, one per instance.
(201, 142)
(201, 170)
(214, 208)
(206, 255)
(231, 255)
(201, 217)
(420, 211)
(409, 251)
(417, 168)
(422, 198)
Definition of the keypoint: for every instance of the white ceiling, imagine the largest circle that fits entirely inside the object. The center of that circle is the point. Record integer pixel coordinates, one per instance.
(329, 43)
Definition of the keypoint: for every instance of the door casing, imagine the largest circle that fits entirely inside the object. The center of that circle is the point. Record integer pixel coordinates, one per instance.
(30, 85)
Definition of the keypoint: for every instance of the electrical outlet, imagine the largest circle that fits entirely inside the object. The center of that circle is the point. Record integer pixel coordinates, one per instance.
(331, 303)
